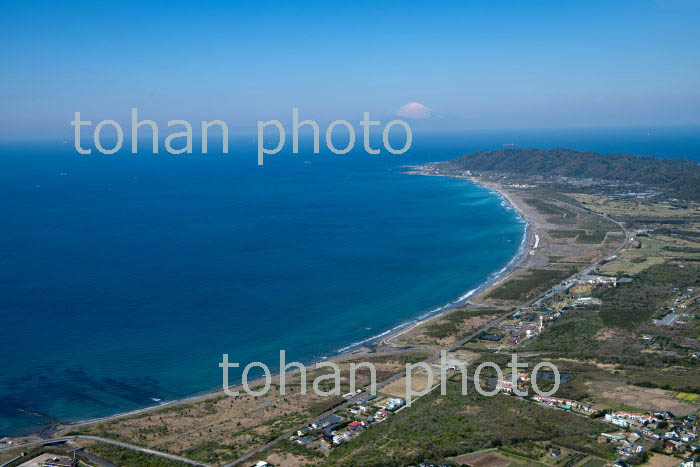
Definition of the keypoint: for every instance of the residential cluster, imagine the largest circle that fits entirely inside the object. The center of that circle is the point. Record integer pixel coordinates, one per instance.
(662, 431)
(681, 309)
(336, 429)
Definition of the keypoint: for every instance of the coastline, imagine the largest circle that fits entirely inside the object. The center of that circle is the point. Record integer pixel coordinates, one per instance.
(496, 278)
(377, 343)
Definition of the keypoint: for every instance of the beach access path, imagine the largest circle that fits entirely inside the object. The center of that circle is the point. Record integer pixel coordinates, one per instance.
(356, 398)
(106, 441)
(453, 347)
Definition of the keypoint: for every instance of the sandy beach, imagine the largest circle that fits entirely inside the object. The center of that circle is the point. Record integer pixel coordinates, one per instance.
(385, 342)
(475, 299)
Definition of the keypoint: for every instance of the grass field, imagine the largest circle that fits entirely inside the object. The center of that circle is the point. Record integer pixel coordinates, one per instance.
(637, 207)
(438, 427)
(555, 214)
(688, 397)
(535, 281)
(581, 236)
(595, 463)
(656, 249)
(121, 456)
(556, 233)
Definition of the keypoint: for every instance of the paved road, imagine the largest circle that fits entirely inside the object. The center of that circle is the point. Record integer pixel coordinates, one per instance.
(381, 385)
(455, 346)
(107, 441)
(4, 464)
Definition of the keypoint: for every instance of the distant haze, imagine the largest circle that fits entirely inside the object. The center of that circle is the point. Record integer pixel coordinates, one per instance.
(472, 65)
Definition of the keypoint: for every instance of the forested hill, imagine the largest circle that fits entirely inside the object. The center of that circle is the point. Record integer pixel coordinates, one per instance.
(678, 177)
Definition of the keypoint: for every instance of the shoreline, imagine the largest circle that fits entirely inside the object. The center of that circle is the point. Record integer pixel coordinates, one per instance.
(513, 265)
(380, 342)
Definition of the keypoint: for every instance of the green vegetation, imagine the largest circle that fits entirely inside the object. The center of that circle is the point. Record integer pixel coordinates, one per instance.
(630, 305)
(558, 214)
(122, 456)
(447, 325)
(437, 427)
(564, 233)
(595, 463)
(571, 335)
(681, 249)
(530, 284)
(581, 236)
(324, 405)
(594, 236)
(678, 177)
(212, 451)
(297, 449)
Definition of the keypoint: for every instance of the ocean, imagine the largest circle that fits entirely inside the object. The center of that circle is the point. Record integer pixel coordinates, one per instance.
(123, 279)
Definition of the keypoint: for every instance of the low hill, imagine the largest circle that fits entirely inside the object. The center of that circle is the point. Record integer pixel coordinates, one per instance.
(677, 177)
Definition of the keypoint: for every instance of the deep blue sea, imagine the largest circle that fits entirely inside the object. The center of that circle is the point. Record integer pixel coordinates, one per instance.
(123, 279)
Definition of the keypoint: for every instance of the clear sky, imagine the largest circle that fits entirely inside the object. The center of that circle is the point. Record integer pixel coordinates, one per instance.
(474, 64)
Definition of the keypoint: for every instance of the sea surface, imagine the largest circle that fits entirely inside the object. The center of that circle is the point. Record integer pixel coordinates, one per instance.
(123, 279)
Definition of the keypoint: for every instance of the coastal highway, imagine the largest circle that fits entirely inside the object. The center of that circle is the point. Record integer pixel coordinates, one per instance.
(106, 441)
(396, 377)
(624, 243)
(455, 346)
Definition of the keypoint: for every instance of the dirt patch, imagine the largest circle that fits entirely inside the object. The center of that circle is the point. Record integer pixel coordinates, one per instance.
(643, 398)
(419, 382)
(487, 459)
(605, 334)
(288, 460)
(661, 460)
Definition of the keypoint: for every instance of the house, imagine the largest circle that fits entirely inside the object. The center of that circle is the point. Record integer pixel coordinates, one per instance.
(381, 413)
(491, 337)
(360, 408)
(591, 279)
(620, 463)
(304, 431)
(59, 462)
(354, 425)
(556, 453)
(616, 420)
(394, 403)
(306, 440)
(689, 462)
(262, 464)
(326, 422)
(587, 301)
(671, 444)
(667, 320)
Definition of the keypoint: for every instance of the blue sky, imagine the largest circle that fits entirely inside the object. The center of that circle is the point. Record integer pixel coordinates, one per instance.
(475, 64)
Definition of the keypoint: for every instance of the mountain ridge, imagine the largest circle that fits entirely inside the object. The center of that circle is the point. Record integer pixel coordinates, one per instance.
(677, 177)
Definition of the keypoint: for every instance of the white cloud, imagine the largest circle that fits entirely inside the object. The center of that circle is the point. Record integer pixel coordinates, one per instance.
(414, 110)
